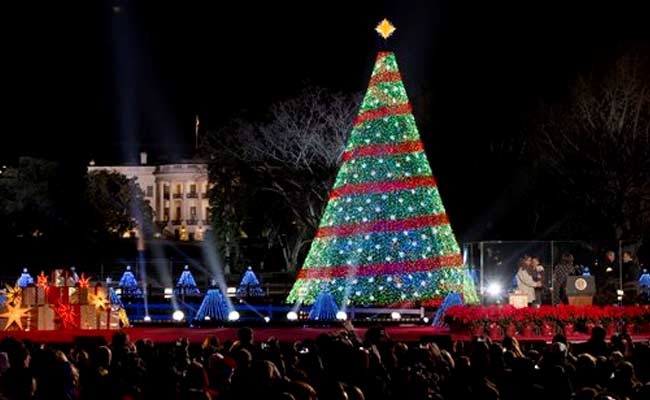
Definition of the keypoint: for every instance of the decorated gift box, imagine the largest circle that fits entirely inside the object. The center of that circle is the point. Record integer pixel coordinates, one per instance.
(72, 303)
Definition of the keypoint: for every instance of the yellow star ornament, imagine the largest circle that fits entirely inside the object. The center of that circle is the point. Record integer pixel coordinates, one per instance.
(14, 294)
(14, 315)
(124, 319)
(385, 29)
(99, 300)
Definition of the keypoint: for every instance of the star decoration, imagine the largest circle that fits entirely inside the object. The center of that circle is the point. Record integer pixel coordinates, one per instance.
(41, 280)
(83, 281)
(385, 29)
(66, 315)
(14, 315)
(99, 300)
(124, 319)
(14, 295)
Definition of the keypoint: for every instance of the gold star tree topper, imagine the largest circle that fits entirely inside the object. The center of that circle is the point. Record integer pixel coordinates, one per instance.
(385, 29)
(14, 315)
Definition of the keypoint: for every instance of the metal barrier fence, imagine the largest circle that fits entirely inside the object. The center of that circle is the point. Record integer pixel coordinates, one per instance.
(493, 265)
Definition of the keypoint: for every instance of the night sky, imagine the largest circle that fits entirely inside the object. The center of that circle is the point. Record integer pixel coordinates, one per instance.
(106, 79)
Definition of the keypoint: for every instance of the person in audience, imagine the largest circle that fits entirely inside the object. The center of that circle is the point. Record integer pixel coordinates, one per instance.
(334, 366)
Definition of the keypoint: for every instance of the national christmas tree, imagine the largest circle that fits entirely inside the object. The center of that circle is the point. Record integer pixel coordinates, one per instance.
(249, 285)
(384, 238)
(186, 283)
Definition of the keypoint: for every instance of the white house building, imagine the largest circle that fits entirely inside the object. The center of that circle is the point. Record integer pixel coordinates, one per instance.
(178, 194)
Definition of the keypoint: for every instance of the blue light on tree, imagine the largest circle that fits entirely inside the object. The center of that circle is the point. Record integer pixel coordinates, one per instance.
(129, 285)
(324, 308)
(214, 307)
(114, 299)
(249, 285)
(186, 284)
(452, 299)
(25, 279)
(644, 280)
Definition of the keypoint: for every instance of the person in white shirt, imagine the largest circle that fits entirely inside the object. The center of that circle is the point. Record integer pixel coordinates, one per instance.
(525, 282)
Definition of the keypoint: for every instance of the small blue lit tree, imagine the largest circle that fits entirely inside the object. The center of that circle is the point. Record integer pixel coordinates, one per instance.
(249, 285)
(214, 306)
(186, 284)
(129, 285)
(452, 299)
(25, 279)
(324, 308)
(114, 299)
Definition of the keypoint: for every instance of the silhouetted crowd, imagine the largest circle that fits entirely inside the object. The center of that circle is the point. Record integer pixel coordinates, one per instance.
(337, 366)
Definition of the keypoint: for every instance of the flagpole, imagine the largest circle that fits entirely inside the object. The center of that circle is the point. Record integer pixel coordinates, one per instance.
(196, 132)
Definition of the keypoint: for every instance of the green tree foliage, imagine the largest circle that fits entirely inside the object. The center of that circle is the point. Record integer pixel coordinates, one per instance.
(40, 198)
(116, 204)
(27, 198)
(596, 148)
(272, 176)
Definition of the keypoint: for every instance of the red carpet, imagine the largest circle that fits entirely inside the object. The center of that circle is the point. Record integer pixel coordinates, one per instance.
(169, 334)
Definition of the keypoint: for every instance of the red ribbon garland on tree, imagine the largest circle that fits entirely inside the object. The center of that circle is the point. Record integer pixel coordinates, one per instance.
(383, 149)
(385, 186)
(383, 226)
(383, 112)
(401, 267)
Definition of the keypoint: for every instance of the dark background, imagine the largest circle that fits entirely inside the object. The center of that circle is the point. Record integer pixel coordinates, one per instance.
(105, 79)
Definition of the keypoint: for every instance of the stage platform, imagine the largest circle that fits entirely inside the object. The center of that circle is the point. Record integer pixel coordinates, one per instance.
(414, 333)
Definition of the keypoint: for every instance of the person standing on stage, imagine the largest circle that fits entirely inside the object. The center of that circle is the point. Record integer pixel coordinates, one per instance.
(525, 283)
(606, 276)
(538, 276)
(631, 274)
(561, 272)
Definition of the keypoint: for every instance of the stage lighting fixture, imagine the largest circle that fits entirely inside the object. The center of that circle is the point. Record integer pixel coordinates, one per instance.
(292, 316)
(341, 316)
(425, 320)
(118, 291)
(147, 318)
(395, 316)
(231, 290)
(494, 289)
(178, 315)
(267, 319)
(207, 318)
(233, 316)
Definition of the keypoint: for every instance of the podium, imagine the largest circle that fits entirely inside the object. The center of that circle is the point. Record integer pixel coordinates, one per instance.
(580, 290)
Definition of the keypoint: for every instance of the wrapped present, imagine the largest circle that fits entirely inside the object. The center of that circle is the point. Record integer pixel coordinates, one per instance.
(67, 316)
(60, 277)
(78, 295)
(45, 317)
(34, 295)
(113, 319)
(29, 296)
(88, 316)
(58, 295)
(41, 294)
